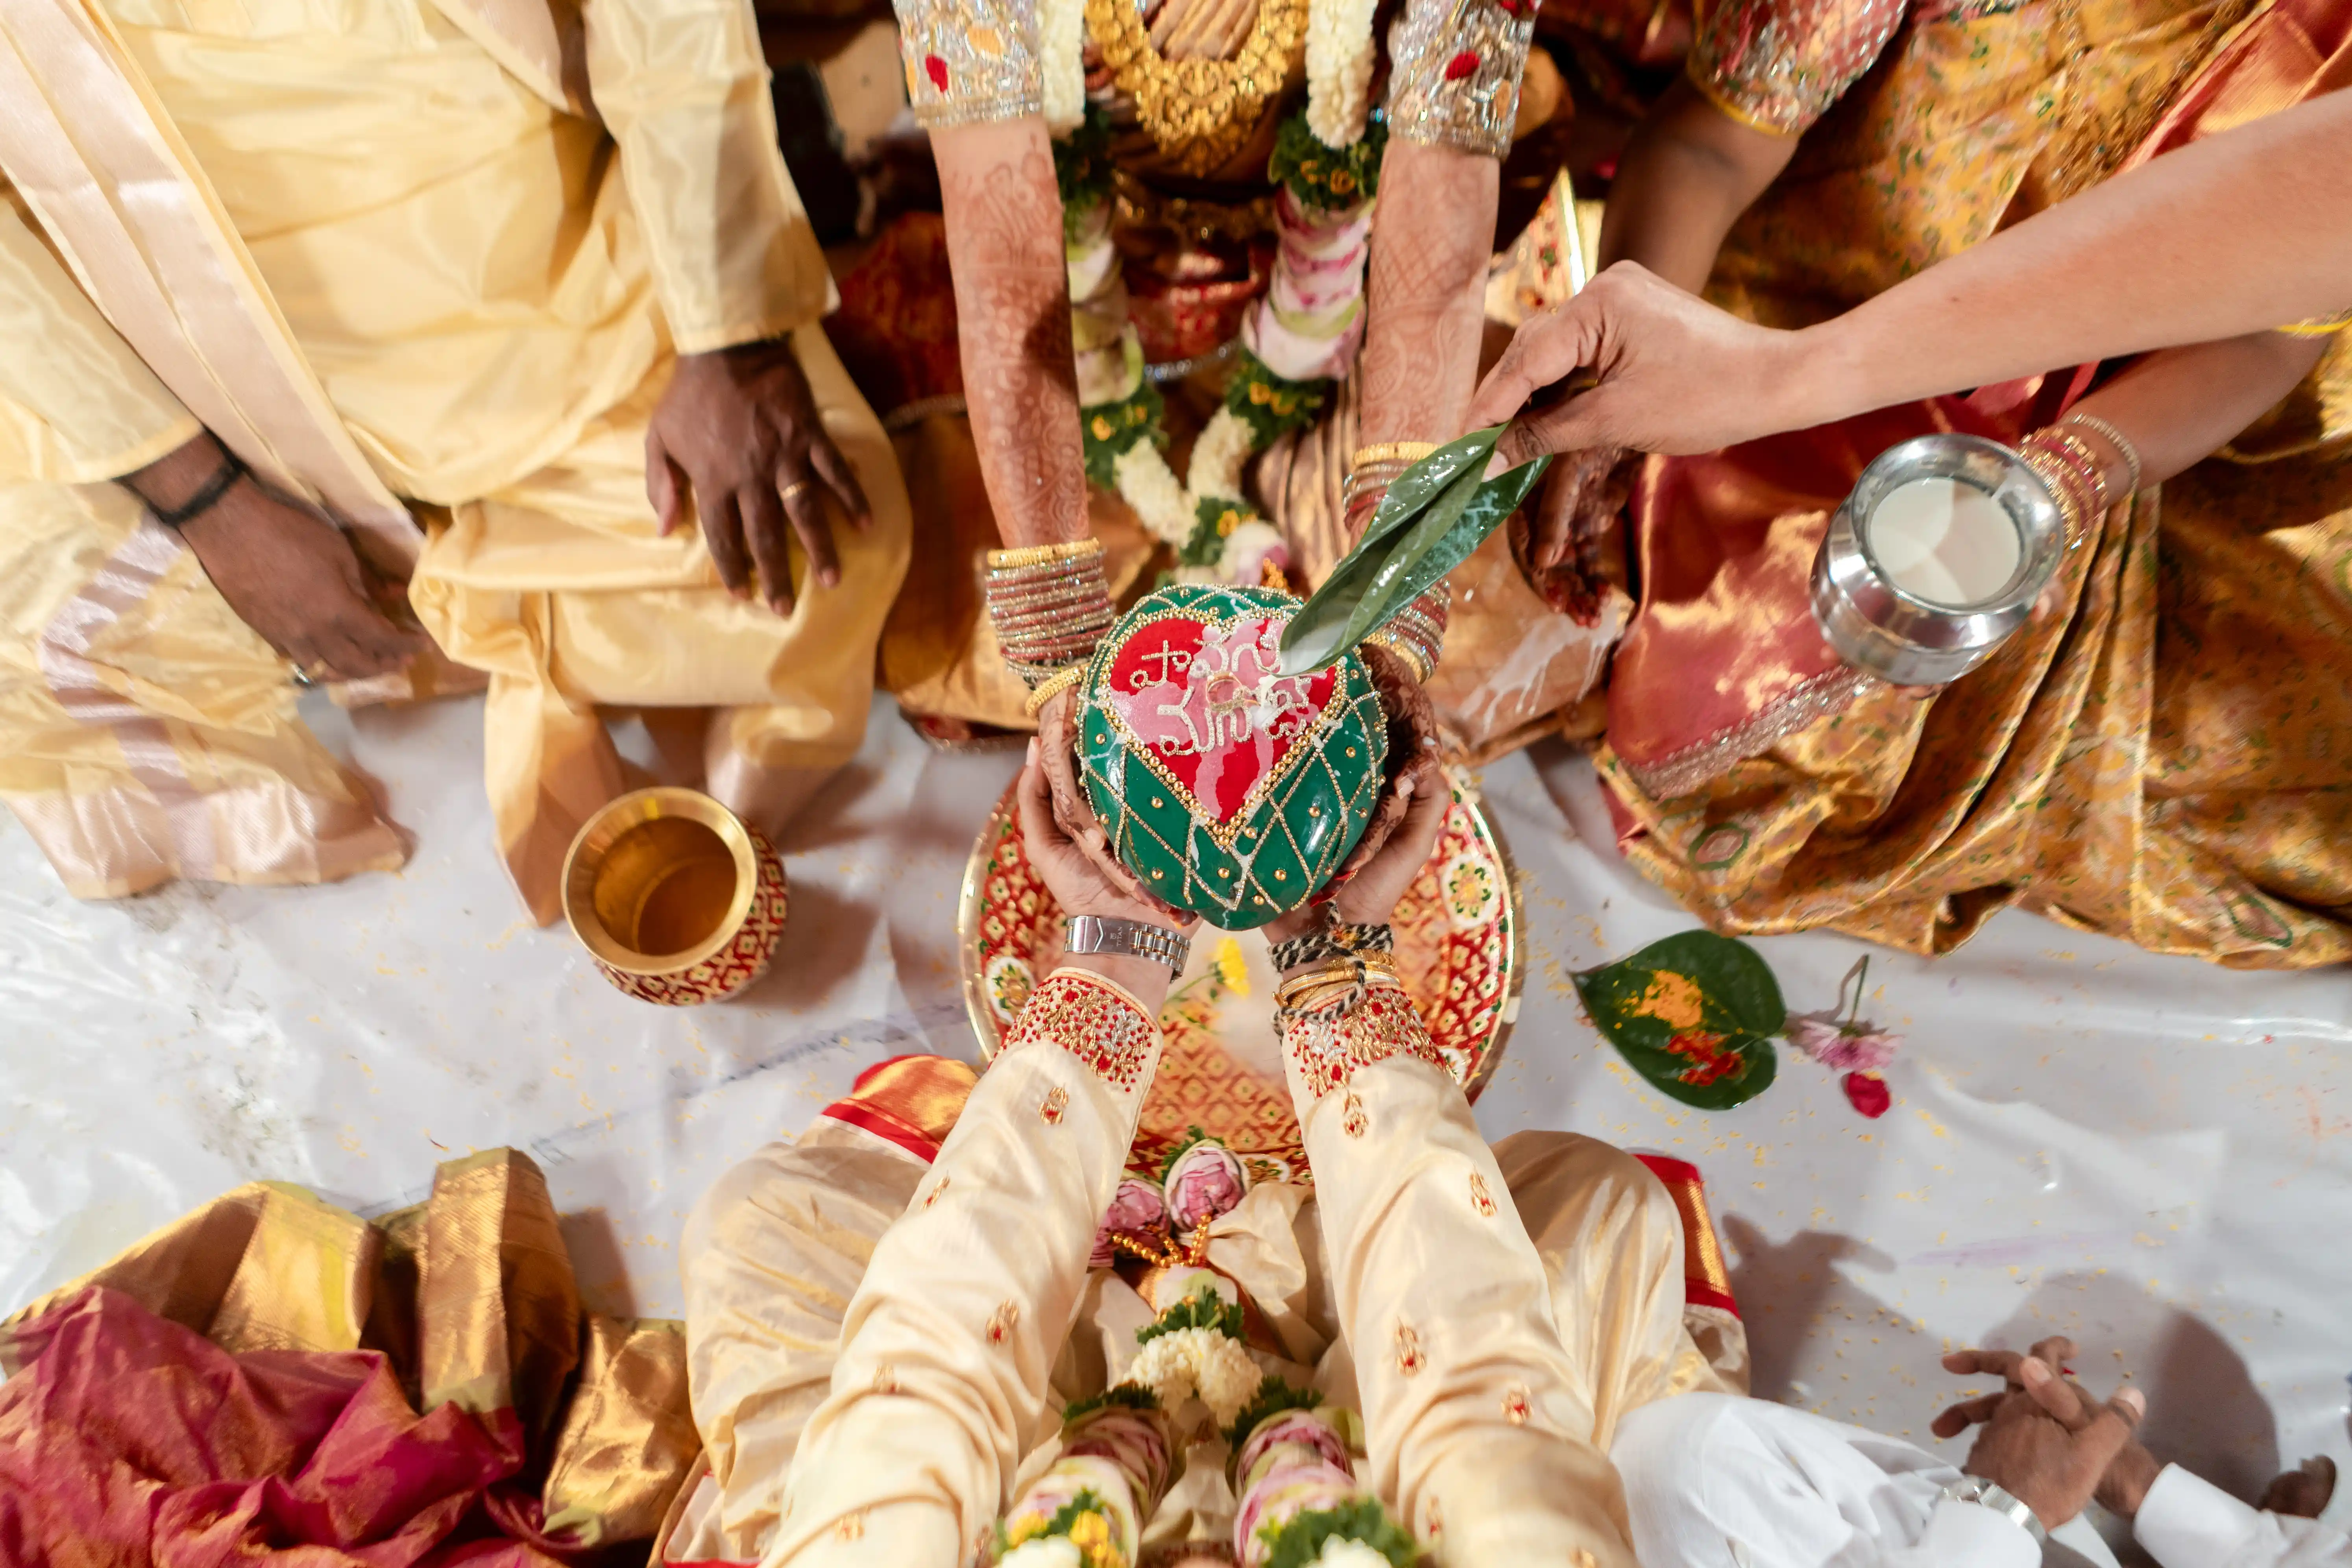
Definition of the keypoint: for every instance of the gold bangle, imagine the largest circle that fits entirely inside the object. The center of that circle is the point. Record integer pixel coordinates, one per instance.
(1037, 554)
(1406, 452)
(1412, 657)
(2116, 438)
(1053, 686)
(1335, 979)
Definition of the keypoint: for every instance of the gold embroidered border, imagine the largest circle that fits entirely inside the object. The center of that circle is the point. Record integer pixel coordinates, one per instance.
(1680, 773)
(1095, 1020)
(1327, 1049)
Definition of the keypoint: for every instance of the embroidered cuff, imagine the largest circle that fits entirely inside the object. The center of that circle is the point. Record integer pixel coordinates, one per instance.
(1776, 68)
(1454, 76)
(1096, 1020)
(970, 61)
(1328, 1048)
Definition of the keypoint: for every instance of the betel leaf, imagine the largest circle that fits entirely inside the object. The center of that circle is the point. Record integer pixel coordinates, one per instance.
(1694, 1015)
(1410, 493)
(1433, 515)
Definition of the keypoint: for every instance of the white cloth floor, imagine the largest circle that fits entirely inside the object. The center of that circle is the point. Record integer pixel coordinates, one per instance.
(2150, 1155)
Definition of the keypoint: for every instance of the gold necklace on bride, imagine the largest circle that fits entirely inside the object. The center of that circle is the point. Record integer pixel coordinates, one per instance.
(1198, 112)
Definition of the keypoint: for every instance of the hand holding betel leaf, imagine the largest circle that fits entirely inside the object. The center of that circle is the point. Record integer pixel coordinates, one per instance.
(1433, 515)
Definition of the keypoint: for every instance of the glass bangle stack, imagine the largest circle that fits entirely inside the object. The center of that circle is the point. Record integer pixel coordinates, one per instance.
(1050, 604)
(1417, 635)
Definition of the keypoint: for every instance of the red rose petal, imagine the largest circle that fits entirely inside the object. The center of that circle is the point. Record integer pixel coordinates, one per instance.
(1867, 1092)
(1461, 64)
(936, 70)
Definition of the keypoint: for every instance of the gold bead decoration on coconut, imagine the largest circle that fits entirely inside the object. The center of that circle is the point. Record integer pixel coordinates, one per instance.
(1198, 112)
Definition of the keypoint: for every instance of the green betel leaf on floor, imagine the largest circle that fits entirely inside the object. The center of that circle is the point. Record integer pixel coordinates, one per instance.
(1432, 517)
(1694, 1015)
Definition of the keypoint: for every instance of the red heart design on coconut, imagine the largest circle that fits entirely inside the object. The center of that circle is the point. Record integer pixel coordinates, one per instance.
(1207, 703)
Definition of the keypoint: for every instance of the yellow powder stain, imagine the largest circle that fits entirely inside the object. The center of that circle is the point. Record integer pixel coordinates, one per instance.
(1933, 1126)
(1674, 1000)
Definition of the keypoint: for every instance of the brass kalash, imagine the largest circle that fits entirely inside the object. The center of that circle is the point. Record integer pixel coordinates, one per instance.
(677, 900)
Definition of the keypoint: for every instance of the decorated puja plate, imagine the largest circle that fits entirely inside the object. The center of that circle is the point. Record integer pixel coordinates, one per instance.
(1459, 950)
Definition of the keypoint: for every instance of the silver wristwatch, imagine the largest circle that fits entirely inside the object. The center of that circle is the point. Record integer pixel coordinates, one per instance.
(1096, 933)
(1977, 1489)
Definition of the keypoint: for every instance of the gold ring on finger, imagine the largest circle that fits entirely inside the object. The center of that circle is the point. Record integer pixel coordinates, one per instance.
(795, 487)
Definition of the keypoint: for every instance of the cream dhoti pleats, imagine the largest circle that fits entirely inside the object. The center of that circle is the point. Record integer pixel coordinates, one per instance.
(775, 1249)
(561, 587)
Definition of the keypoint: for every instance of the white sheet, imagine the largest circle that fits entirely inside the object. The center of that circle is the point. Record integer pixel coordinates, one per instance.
(2153, 1155)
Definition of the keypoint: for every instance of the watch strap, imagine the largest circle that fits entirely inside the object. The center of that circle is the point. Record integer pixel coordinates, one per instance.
(1134, 939)
(2003, 1502)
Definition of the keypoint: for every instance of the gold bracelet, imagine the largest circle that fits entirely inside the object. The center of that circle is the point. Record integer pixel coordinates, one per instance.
(1053, 686)
(1406, 452)
(2062, 483)
(1341, 978)
(1037, 554)
(1411, 656)
(2116, 438)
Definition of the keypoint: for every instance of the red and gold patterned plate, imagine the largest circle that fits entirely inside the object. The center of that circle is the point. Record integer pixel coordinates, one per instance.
(1459, 947)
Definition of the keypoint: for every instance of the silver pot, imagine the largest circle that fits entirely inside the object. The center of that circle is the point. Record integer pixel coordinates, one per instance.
(1906, 640)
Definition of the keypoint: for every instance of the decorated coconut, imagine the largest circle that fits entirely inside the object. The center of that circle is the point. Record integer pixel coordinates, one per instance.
(1230, 788)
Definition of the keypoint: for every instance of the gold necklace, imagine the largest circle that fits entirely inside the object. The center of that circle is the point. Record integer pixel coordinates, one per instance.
(1198, 112)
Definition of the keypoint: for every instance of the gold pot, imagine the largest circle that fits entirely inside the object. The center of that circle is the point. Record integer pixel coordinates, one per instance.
(677, 900)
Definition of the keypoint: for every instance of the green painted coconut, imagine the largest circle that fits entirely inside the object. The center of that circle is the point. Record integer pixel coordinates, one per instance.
(1232, 790)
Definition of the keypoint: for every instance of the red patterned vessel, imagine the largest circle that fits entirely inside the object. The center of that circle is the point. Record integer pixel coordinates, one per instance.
(677, 900)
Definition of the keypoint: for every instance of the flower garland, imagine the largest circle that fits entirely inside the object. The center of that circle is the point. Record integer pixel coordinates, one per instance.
(1329, 167)
(1087, 1510)
(1060, 50)
(1299, 1503)
(1308, 323)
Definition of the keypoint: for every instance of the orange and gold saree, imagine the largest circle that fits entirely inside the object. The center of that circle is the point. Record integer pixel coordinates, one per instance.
(244, 1385)
(2164, 753)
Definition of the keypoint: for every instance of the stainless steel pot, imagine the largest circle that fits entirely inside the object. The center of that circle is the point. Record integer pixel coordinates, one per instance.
(1906, 640)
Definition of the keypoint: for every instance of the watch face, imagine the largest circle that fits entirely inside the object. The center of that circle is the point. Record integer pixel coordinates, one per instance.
(1232, 790)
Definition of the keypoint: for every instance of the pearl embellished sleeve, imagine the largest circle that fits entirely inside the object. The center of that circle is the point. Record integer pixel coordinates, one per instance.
(970, 61)
(1476, 1428)
(1455, 67)
(1777, 65)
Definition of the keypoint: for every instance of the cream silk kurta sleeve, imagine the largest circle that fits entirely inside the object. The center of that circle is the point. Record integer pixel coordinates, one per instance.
(1478, 1427)
(683, 87)
(76, 404)
(949, 1341)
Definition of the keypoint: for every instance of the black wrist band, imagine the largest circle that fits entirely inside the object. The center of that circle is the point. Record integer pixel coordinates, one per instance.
(1337, 939)
(207, 496)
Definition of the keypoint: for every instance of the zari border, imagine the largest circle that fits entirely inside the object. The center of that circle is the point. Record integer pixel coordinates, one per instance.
(1707, 1279)
(911, 1102)
(1682, 772)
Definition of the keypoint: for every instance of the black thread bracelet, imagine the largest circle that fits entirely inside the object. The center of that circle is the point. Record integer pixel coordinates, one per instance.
(209, 494)
(1335, 939)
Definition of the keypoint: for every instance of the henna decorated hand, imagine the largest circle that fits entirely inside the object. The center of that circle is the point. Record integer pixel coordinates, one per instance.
(1557, 542)
(1371, 896)
(739, 431)
(1411, 734)
(1055, 750)
(1072, 874)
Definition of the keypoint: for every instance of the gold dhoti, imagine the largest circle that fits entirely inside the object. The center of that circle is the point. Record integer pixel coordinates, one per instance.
(145, 733)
